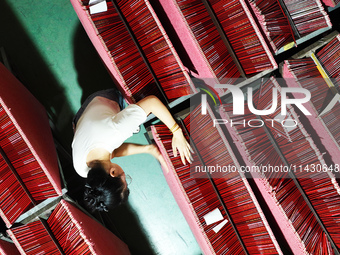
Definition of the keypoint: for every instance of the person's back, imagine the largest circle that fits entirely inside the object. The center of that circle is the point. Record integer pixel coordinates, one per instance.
(103, 125)
(100, 128)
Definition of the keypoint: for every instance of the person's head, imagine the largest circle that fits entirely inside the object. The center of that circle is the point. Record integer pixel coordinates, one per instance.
(106, 188)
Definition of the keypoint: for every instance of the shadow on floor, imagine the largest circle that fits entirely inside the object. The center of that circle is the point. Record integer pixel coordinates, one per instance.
(124, 223)
(92, 74)
(30, 68)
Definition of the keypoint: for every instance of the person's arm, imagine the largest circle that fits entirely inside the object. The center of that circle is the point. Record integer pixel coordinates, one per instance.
(152, 104)
(127, 149)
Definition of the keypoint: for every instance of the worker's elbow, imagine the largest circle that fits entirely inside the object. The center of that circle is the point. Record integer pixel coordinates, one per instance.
(152, 101)
(152, 98)
(149, 104)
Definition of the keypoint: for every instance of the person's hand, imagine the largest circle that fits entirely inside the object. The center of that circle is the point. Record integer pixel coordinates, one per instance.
(180, 143)
(153, 150)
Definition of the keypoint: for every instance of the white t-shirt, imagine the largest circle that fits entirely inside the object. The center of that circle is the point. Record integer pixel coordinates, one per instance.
(103, 125)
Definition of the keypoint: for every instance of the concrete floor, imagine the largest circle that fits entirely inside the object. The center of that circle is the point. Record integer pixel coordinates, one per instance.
(52, 56)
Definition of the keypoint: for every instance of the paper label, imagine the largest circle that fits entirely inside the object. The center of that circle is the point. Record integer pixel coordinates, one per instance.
(219, 226)
(97, 6)
(213, 216)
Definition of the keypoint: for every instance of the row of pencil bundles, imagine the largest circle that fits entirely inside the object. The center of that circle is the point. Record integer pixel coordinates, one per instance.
(28, 160)
(304, 204)
(220, 40)
(67, 230)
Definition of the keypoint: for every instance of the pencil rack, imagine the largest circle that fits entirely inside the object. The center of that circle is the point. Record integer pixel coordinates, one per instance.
(288, 193)
(28, 159)
(199, 192)
(320, 62)
(67, 230)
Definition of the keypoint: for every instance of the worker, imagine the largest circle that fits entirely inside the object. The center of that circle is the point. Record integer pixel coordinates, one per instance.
(101, 127)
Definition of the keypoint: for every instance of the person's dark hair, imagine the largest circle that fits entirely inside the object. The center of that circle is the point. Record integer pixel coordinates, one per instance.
(104, 192)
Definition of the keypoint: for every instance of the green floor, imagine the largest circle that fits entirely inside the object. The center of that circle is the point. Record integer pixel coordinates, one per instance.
(52, 56)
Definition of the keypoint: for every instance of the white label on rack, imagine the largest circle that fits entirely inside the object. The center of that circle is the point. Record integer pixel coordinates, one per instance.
(97, 6)
(213, 216)
(219, 226)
